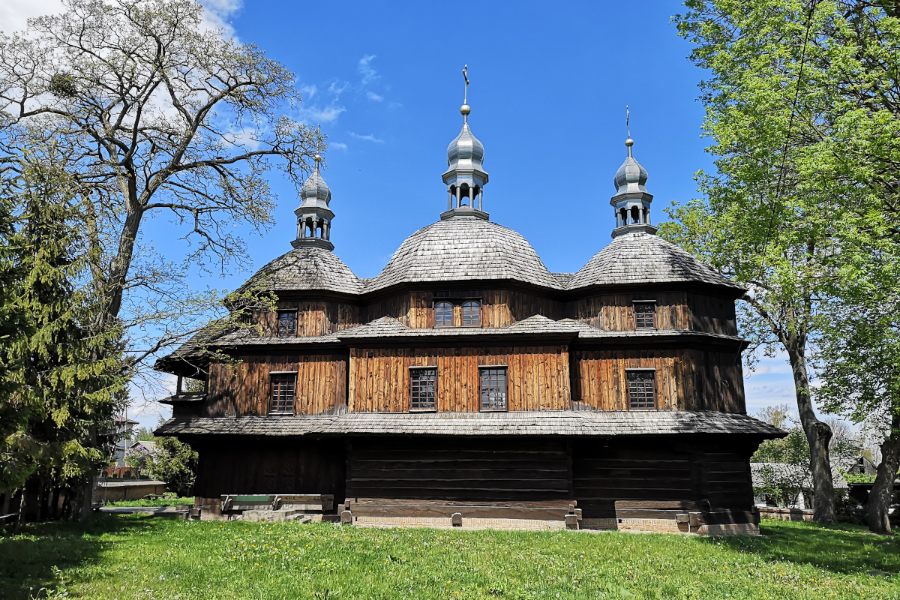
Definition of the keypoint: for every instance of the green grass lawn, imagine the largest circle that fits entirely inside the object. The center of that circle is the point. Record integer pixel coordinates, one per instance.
(143, 557)
(151, 503)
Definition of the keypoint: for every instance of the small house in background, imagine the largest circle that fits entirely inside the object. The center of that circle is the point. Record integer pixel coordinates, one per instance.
(467, 385)
(123, 427)
(788, 486)
(146, 445)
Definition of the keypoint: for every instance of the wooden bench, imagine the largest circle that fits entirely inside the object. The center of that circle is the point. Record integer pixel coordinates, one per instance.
(689, 515)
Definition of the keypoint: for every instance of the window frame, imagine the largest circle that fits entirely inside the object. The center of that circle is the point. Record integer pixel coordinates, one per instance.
(634, 305)
(411, 396)
(481, 370)
(282, 376)
(285, 311)
(454, 302)
(653, 388)
(450, 304)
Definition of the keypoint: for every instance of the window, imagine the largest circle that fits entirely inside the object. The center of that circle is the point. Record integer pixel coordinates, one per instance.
(471, 313)
(640, 389)
(443, 314)
(287, 322)
(493, 388)
(643, 315)
(422, 388)
(282, 401)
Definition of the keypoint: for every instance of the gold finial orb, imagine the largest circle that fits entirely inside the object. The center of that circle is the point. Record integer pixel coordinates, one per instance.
(465, 110)
(317, 157)
(629, 142)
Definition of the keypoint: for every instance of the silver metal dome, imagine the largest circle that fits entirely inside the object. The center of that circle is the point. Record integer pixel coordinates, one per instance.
(315, 192)
(631, 176)
(465, 151)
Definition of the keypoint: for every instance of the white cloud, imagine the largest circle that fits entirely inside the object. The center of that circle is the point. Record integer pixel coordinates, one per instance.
(309, 91)
(337, 145)
(367, 138)
(374, 97)
(365, 69)
(337, 88)
(319, 114)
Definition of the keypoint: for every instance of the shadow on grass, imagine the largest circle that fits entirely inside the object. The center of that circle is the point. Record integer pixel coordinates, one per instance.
(838, 548)
(28, 560)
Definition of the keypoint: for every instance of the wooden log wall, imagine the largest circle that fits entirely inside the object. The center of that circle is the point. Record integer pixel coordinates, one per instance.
(690, 472)
(245, 388)
(459, 469)
(313, 318)
(674, 310)
(499, 308)
(271, 467)
(537, 377)
(685, 379)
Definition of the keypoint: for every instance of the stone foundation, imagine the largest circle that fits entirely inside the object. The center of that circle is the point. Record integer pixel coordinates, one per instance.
(471, 524)
(785, 514)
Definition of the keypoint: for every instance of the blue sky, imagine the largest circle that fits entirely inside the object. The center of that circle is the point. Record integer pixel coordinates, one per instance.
(549, 86)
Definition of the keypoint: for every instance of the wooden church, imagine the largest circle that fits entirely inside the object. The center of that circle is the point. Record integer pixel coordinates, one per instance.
(466, 385)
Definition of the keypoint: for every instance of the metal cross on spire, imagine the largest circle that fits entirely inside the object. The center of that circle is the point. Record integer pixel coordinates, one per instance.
(317, 157)
(627, 119)
(466, 77)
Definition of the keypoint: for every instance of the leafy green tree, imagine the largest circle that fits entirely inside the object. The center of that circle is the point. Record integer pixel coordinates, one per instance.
(68, 377)
(175, 463)
(802, 104)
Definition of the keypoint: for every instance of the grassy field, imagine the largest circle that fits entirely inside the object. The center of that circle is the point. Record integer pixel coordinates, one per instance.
(132, 556)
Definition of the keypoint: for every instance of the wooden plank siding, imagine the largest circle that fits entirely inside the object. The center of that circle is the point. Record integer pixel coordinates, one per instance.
(243, 389)
(674, 310)
(313, 318)
(499, 308)
(537, 377)
(685, 379)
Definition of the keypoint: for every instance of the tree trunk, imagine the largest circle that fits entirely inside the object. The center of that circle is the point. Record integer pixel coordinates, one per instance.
(883, 490)
(86, 498)
(818, 435)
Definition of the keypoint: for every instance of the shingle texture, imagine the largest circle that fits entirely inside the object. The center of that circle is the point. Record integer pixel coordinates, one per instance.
(464, 250)
(307, 268)
(637, 257)
(554, 423)
(389, 327)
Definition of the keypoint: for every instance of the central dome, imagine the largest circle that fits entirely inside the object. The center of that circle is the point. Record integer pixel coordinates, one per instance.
(464, 250)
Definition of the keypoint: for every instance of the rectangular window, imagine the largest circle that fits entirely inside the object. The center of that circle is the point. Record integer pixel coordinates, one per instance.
(443, 314)
(423, 388)
(493, 388)
(641, 393)
(287, 322)
(643, 315)
(282, 401)
(471, 313)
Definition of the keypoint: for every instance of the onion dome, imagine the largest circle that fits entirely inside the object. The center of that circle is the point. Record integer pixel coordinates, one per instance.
(460, 249)
(306, 268)
(465, 176)
(644, 258)
(313, 215)
(632, 201)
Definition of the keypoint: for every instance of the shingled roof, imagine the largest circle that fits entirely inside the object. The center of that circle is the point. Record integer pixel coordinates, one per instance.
(563, 423)
(462, 249)
(306, 268)
(637, 257)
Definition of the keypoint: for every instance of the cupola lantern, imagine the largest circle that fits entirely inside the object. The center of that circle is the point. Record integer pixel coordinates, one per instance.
(465, 176)
(313, 215)
(632, 201)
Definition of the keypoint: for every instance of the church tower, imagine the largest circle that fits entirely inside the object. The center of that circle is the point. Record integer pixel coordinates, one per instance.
(313, 215)
(632, 201)
(465, 176)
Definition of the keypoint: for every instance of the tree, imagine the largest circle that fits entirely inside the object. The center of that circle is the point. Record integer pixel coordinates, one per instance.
(175, 463)
(67, 378)
(805, 93)
(149, 114)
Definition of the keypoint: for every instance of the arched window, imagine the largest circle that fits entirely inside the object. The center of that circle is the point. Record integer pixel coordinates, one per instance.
(443, 314)
(471, 313)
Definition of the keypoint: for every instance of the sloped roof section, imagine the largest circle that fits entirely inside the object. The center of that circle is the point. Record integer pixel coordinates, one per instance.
(463, 249)
(307, 269)
(638, 257)
(389, 327)
(552, 423)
